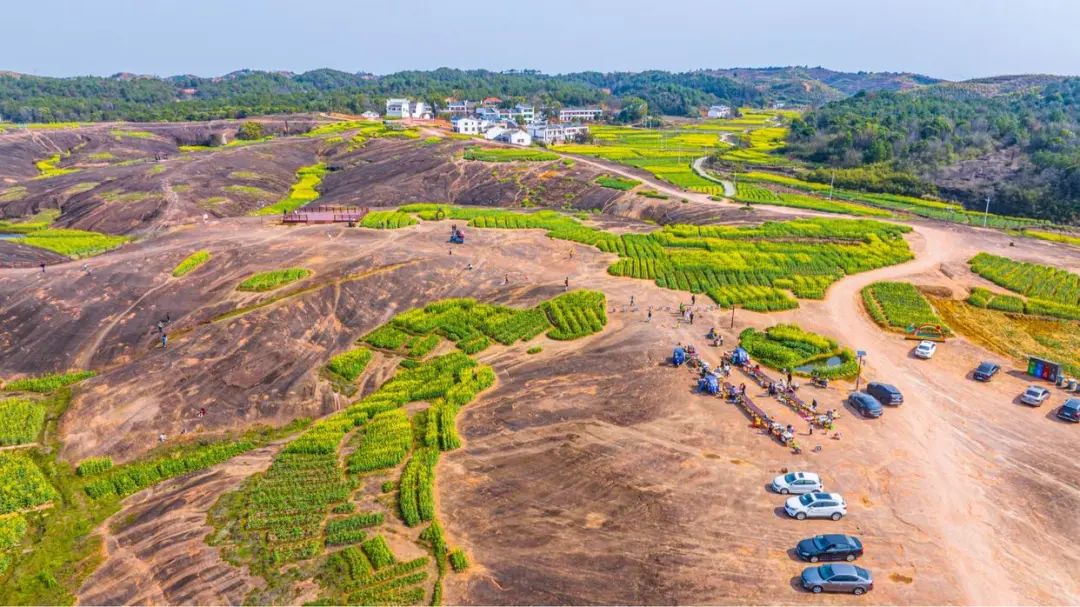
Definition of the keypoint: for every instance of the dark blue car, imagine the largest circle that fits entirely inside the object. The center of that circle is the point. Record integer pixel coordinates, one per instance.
(1070, 411)
(865, 404)
(886, 394)
(830, 547)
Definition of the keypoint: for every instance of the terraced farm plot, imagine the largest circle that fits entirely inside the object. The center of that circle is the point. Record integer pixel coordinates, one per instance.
(72, 243)
(273, 279)
(349, 365)
(899, 305)
(761, 145)
(758, 268)
(387, 220)
(1050, 291)
(801, 352)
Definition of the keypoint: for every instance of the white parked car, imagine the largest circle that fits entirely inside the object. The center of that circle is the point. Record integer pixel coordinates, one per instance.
(1035, 396)
(925, 349)
(796, 482)
(816, 505)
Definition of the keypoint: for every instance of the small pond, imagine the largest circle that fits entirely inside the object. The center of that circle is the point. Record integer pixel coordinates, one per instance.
(832, 361)
(7, 236)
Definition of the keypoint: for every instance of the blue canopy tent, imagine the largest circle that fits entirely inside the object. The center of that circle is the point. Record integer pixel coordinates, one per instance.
(709, 384)
(678, 357)
(740, 356)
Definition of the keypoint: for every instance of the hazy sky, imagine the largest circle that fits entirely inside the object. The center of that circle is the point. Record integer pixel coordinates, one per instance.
(952, 39)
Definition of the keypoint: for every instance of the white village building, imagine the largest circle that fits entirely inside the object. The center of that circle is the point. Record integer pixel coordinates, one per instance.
(573, 114)
(404, 108)
(719, 111)
(557, 133)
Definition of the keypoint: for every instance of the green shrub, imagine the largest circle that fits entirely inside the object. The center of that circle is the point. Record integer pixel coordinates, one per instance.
(458, 561)
(94, 465)
(387, 220)
(22, 485)
(617, 183)
(534, 350)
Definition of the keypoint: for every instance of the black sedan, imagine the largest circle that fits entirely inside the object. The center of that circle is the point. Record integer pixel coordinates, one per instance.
(986, 370)
(832, 547)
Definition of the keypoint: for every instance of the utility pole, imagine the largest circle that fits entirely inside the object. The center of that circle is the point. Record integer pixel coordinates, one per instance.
(860, 354)
(732, 316)
(986, 213)
(832, 180)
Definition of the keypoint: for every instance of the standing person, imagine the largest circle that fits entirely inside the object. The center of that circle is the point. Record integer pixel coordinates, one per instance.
(164, 340)
(649, 318)
(506, 279)
(43, 267)
(691, 317)
(566, 284)
(789, 377)
(631, 301)
(693, 299)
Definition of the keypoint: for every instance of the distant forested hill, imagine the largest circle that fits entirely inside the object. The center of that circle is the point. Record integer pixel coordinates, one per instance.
(25, 98)
(1014, 139)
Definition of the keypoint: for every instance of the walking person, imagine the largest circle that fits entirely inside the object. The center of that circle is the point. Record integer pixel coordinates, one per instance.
(789, 377)
(43, 267)
(693, 299)
(566, 284)
(164, 340)
(691, 317)
(649, 317)
(631, 301)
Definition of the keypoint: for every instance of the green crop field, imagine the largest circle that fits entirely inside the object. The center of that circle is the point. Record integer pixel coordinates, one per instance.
(22, 485)
(761, 145)
(789, 347)
(47, 383)
(273, 279)
(1070, 239)
(387, 220)
(191, 263)
(20, 421)
(1050, 291)
(899, 305)
(302, 193)
(72, 243)
(758, 268)
(508, 154)
(349, 365)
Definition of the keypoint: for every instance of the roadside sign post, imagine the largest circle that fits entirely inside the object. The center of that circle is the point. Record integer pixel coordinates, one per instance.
(860, 355)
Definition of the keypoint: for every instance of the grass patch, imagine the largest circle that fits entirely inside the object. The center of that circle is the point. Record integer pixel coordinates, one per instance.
(115, 197)
(245, 175)
(249, 190)
(535, 350)
(47, 383)
(48, 167)
(1049, 236)
(132, 134)
(508, 155)
(652, 194)
(190, 263)
(13, 193)
(100, 156)
(617, 183)
(1012, 335)
(72, 243)
(303, 192)
(39, 221)
(273, 279)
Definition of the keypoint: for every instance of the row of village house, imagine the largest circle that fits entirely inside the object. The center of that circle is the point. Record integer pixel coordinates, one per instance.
(503, 124)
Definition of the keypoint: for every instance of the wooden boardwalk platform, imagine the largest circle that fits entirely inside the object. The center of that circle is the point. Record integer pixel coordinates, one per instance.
(324, 214)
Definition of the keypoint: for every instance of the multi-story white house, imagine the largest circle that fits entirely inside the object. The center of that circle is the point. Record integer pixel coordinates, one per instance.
(557, 133)
(460, 107)
(465, 125)
(719, 111)
(404, 108)
(573, 114)
(397, 108)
